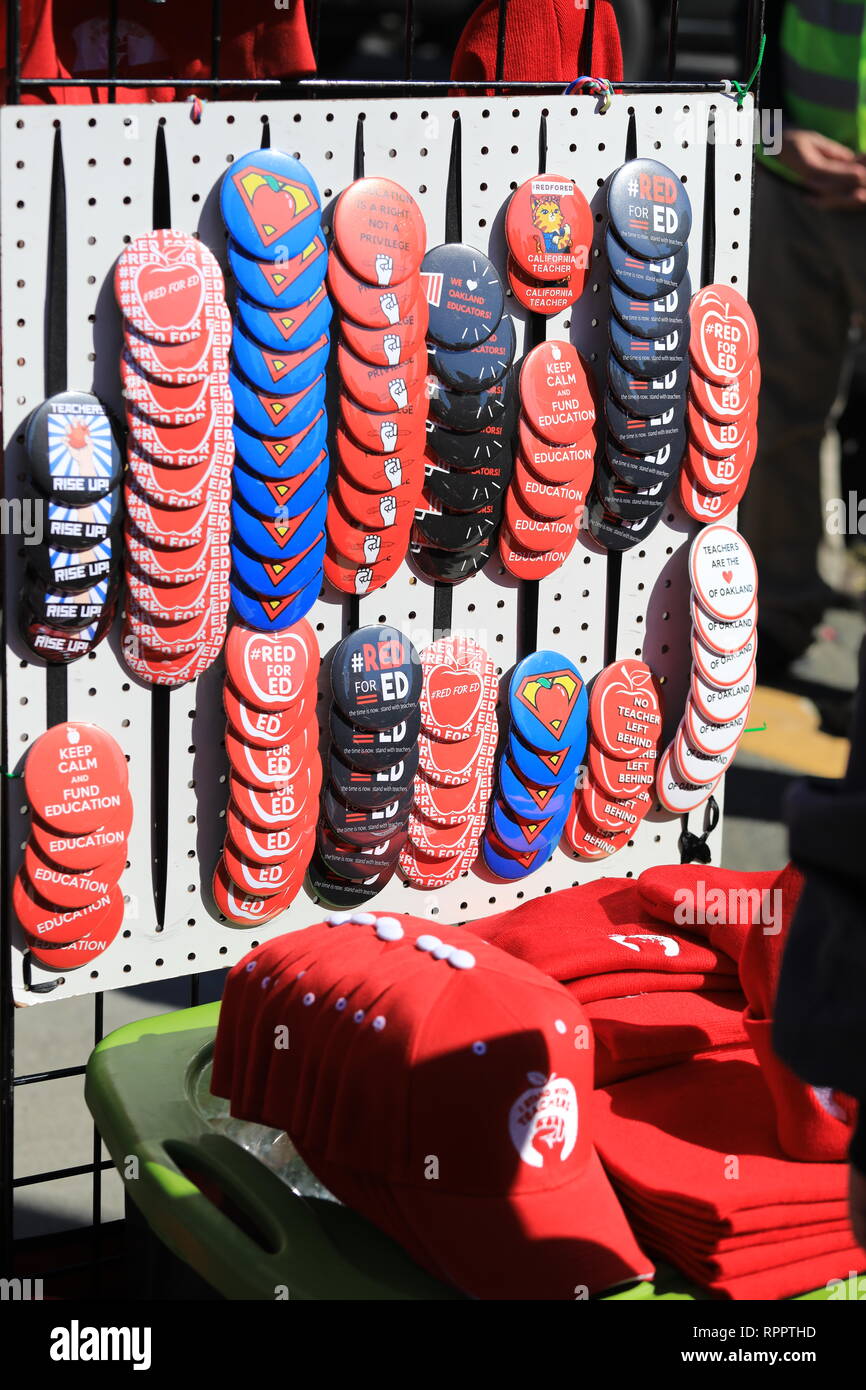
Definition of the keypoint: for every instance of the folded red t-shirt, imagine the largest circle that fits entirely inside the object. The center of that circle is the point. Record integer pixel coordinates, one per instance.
(598, 928)
(618, 984)
(752, 1221)
(657, 1025)
(703, 1134)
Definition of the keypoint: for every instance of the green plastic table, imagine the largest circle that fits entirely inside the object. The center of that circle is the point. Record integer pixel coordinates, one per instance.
(234, 1201)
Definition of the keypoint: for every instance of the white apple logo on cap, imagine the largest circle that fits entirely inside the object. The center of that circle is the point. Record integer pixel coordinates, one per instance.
(546, 1113)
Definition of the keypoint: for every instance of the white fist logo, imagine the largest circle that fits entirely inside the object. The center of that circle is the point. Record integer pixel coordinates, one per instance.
(392, 345)
(393, 471)
(390, 306)
(398, 392)
(388, 510)
(363, 580)
(388, 435)
(372, 545)
(384, 268)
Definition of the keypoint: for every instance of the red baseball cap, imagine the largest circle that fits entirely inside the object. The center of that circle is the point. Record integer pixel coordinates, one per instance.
(441, 1088)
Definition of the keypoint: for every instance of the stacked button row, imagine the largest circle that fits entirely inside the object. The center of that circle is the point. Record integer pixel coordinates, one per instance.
(177, 489)
(379, 242)
(472, 404)
(724, 648)
(72, 577)
(457, 745)
(66, 895)
(275, 771)
(376, 684)
(272, 212)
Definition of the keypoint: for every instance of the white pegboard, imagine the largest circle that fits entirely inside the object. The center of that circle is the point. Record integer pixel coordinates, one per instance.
(108, 155)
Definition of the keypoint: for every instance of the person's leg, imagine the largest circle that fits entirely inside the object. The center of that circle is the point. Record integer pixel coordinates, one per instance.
(800, 297)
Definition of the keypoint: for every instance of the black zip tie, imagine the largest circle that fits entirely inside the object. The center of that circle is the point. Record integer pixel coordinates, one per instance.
(694, 848)
(46, 987)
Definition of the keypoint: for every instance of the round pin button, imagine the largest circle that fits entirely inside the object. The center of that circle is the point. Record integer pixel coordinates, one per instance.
(630, 503)
(529, 802)
(177, 488)
(652, 318)
(710, 506)
(708, 737)
(619, 777)
(372, 305)
(374, 749)
(46, 922)
(375, 472)
(391, 432)
(75, 777)
(59, 645)
(533, 564)
(539, 768)
(164, 405)
(81, 528)
(547, 297)
(379, 510)
(551, 501)
(272, 768)
(381, 389)
(71, 890)
(265, 880)
(354, 863)
(86, 948)
(505, 865)
(277, 498)
(271, 671)
(649, 208)
(270, 204)
(649, 357)
(724, 338)
(722, 706)
(459, 690)
(339, 892)
(245, 909)
(273, 612)
(585, 838)
(697, 767)
(723, 637)
(179, 364)
(286, 329)
(372, 787)
(637, 275)
(641, 470)
(538, 534)
(274, 808)
(286, 539)
(286, 844)
(72, 572)
(614, 533)
(443, 841)
(647, 398)
(464, 294)
(376, 677)
(548, 225)
(723, 670)
(613, 815)
(555, 463)
(282, 371)
(284, 283)
(451, 566)
(547, 701)
(675, 794)
(455, 530)
(282, 456)
(723, 572)
(647, 436)
(391, 344)
(365, 826)
(73, 450)
(470, 491)
(350, 577)
(729, 402)
(85, 850)
(722, 440)
(379, 231)
(471, 411)
(453, 762)
(168, 284)
(557, 393)
(273, 415)
(267, 728)
(473, 369)
(469, 450)
(624, 709)
(57, 609)
(356, 547)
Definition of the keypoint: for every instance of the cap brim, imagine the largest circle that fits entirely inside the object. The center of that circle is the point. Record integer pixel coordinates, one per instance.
(561, 1244)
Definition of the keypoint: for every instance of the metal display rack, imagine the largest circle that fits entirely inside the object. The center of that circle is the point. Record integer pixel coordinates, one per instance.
(76, 183)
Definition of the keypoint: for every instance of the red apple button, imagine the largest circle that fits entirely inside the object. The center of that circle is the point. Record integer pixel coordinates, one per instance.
(724, 337)
(452, 763)
(165, 405)
(76, 778)
(164, 282)
(271, 670)
(425, 871)
(270, 768)
(285, 845)
(450, 806)
(179, 364)
(709, 506)
(723, 572)
(532, 564)
(442, 841)
(617, 776)
(248, 909)
(714, 474)
(280, 806)
(585, 838)
(624, 710)
(459, 690)
(722, 440)
(727, 402)
(265, 880)
(612, 814)
(556, 392)
(548, 227)
(169, 567)
(379, 231)
(267, 728)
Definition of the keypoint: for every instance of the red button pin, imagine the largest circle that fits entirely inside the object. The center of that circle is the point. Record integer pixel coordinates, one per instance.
(165, 282)
(355, 546)
(529, 564)
(723, 403)
(270, 768)
(624, 710)
(380, 510)
(248, 909)
(75, 777)
(585, 838)
(87, 947)
(556, 392)
(360, 579)
(371, 305)
(379, 231)
(546, 297)
(459, 690)
(390, 432)
(267, 728)
(552, 501)
(271, 670)
(265, 880)
(548, 227)
(450, 806)
(709, 506)
(537, 534)
(425, 871)
(715, 474)
(724, 337)
(614, 814)
(394, 343)
(269, 809)
(555, 463)
(617, 776)
(71, 890)
(88, 850)
(722, 440)
(381, 388)
(44, 921)
(376, 472)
